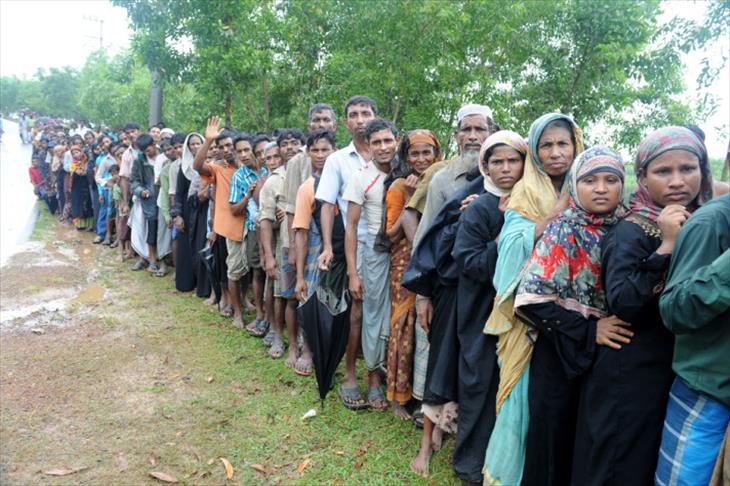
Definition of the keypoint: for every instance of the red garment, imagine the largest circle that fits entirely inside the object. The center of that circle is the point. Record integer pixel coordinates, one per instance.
(35, 176)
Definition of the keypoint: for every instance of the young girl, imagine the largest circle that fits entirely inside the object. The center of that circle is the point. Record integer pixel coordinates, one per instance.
(560, 295)
(501, 161)
(625, 394)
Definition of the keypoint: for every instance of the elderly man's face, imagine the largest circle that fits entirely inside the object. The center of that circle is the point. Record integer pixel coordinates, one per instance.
(472, 132)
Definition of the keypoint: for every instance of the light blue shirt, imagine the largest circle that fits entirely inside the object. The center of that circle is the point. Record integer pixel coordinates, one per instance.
(337, 171)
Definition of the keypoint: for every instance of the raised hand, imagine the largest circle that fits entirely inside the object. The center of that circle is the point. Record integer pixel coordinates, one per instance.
(213, 129)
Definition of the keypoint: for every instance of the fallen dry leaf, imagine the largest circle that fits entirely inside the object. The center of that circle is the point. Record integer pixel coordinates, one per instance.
(303, 465)
(339, 453)
(211, 461)
(229, 468)
(209, 379)
(259, 468)
(122, 463)
(62, 472)
(164, 477)
(359, 464)
(152, 458)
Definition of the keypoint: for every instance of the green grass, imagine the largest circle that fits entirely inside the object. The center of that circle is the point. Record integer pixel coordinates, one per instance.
(44, 226)
(244, 406)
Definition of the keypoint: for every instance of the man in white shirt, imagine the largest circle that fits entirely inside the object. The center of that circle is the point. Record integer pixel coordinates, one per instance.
(340, 166)
(369, 282)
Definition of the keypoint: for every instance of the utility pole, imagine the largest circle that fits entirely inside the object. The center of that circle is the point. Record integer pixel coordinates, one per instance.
(100, 37)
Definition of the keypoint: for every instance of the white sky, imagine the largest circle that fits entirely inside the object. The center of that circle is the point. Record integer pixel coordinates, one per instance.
(56, 33)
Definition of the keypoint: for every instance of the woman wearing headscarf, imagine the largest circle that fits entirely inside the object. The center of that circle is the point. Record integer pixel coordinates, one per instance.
(625, 394)
(418, 150)
(560, 295)
(82, 212)
(185, 274)
(501, 162)
(536, 200)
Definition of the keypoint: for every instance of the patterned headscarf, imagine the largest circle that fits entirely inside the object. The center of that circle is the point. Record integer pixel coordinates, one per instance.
(660, 142)
(565, 266)
(502, 137)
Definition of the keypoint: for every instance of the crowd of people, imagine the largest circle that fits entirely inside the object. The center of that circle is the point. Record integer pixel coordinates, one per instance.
(511, 296)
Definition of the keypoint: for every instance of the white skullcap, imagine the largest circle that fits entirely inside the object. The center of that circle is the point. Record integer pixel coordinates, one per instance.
(167, 130)
(472, 109)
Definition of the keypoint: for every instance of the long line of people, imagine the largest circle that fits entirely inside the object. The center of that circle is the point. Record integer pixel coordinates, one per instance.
(506, 296)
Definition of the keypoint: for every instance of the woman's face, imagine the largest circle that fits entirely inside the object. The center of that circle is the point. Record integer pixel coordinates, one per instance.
(673, 178)
(194, 143)
(556, 151)
(504, 166)
(600, 193)
(420, 156)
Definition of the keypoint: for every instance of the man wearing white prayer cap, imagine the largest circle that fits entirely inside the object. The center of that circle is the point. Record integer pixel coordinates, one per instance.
(440, 181)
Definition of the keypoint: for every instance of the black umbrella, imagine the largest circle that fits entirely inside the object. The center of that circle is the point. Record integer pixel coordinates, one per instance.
(325, 319)
(207, 258)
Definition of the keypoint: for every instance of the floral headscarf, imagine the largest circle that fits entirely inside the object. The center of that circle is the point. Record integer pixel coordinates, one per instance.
(502, 137)
(565, 266)
(660, 142)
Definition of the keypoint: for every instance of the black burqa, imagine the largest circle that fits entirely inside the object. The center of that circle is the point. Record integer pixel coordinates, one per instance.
(432, 272)
(475, 253)
(624, 395)
(198, 240)
(184, 272)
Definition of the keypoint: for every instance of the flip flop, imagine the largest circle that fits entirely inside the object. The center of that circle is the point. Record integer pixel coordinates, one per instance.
(353, 395)
(227, 311)
(376, 395)
(258, 328)
(418, 418)
(269, 338)
(308, 369)
(276, 351)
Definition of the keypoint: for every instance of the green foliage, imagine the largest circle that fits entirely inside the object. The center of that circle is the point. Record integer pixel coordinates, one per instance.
(262, 63)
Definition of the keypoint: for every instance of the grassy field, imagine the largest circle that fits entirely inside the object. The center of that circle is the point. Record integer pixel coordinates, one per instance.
(141, 378)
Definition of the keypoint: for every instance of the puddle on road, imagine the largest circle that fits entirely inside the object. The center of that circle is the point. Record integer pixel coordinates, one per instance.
(50, 313)
(92, 293)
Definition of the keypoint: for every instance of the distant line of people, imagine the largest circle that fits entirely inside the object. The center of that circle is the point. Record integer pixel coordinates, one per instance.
(508, 296)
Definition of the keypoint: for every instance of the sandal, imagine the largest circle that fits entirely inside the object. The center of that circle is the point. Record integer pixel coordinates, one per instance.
(153, 268)
(352, 399)
(161, 272)
(276, 351)
(306, 369)
(97, 240)
(114, 244)
(269, 338)
(418, 418)
(376, 400)
(227, 311)
(258, 328)
(139, 265)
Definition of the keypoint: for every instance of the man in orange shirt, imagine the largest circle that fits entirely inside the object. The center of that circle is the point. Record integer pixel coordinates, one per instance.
(225, 224)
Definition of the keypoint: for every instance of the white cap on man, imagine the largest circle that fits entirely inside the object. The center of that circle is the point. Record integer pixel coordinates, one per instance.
(473, 109)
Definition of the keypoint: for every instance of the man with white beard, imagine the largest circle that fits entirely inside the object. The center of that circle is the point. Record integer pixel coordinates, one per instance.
(474, 125)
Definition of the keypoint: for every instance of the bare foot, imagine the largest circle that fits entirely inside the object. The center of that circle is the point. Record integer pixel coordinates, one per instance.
(210, 300)
(291, 360)
(303, 366)
(119, 259)
(238, 321)
(399, 411)
(419, 465)
(436, 438)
